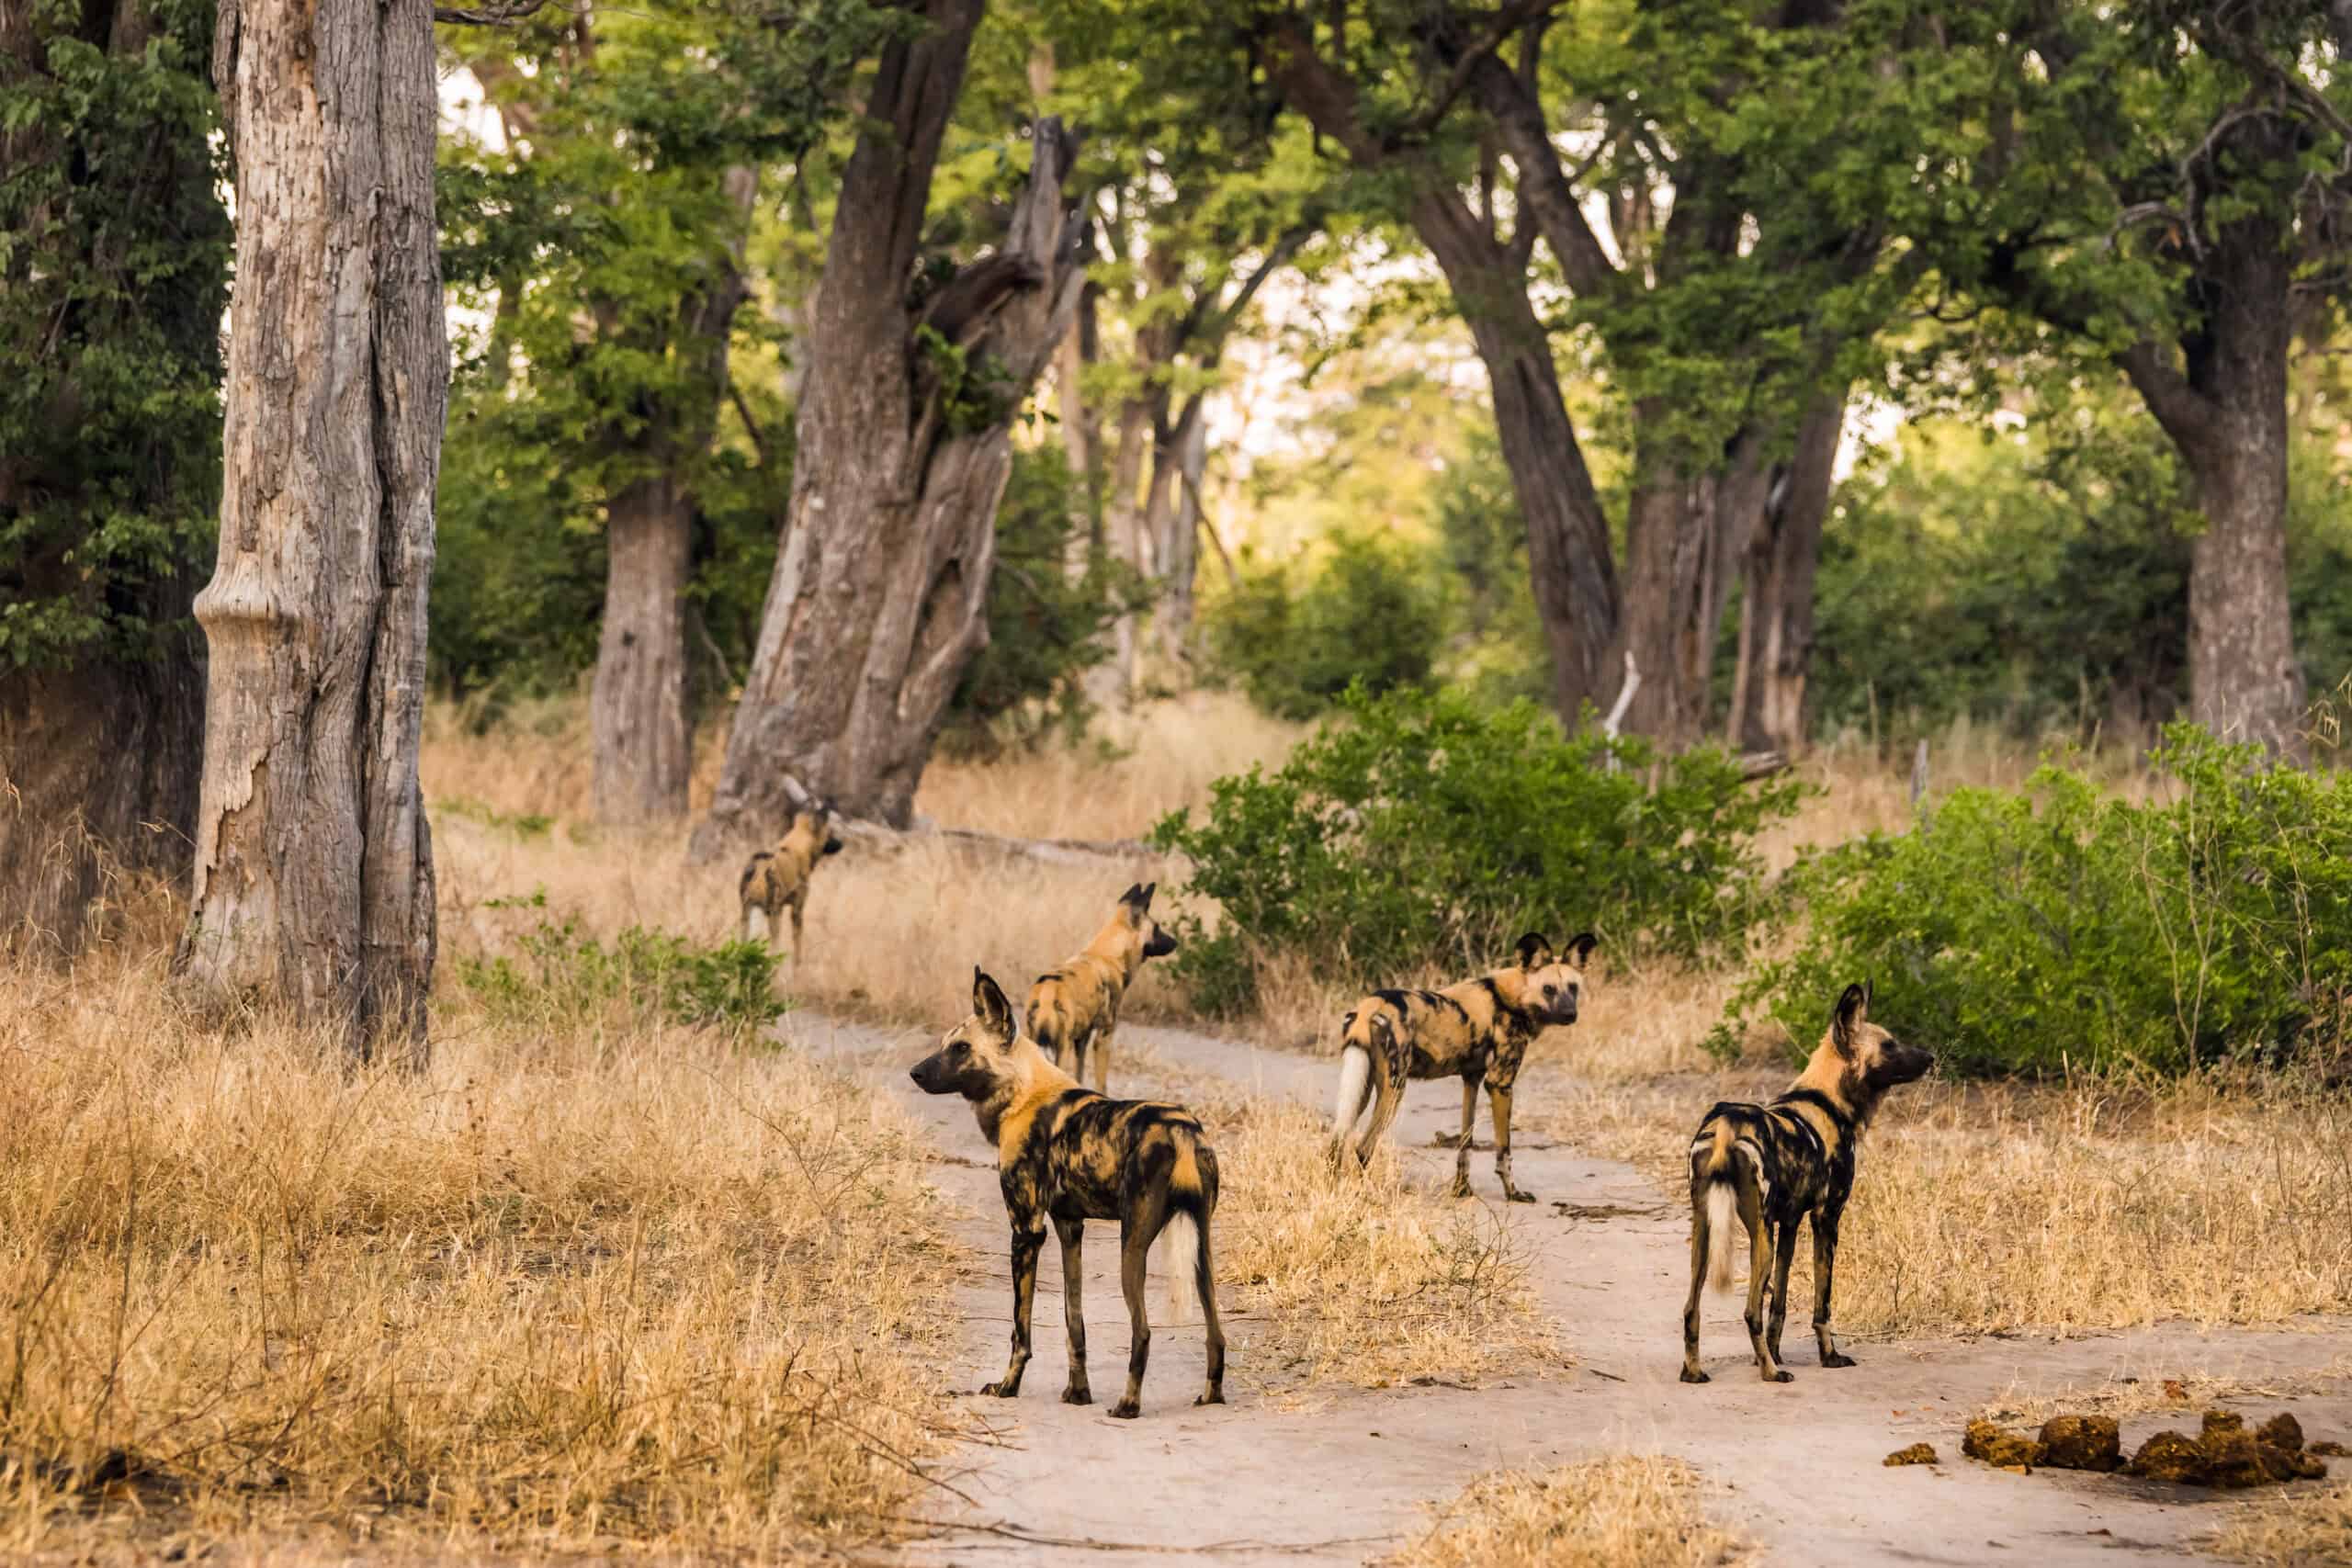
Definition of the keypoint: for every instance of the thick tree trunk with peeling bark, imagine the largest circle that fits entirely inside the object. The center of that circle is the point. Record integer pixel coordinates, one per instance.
(313, 882)
(1684, 536)
(1178, 506)
(876, 601)
(1776, 607)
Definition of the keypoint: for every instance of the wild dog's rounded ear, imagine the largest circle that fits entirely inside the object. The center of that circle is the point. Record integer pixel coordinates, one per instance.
(990, 1005)
(1853, 1008)
(1581, 945)
(1534, 949)
(1148, 889)
(1870, 988)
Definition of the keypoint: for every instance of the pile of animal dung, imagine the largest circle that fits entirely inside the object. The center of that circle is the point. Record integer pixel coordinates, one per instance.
(2224, 1453)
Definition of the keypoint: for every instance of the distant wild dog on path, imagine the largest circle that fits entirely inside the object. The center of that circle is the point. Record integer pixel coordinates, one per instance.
(1068, 1155)
(1776, 1165)
(1073, 1010)
(777, 879)
(1477, 1030)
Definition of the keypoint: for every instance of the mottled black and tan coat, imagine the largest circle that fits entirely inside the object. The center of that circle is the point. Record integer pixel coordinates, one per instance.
(1777, 1166)
(1073, 1010)
(1065, 1155)
(777, 879)
(1478, 1032)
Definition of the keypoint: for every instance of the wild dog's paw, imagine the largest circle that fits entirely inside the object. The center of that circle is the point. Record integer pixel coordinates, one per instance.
(1215, 1397)
(1692, 1375)
(1835, 1359)
(1782, 1375)
(1518, 1195)
(1461, 1189)
(1126, 1410)
(1005, 1388)
(1079, 1395)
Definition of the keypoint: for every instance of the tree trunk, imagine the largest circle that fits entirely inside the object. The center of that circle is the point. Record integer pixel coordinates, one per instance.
(877, 598)
(1180, 544)
(1113, 682)
(637, 704)
(98, 766)
(1775, 609)
(1082, 430)
(637, 711)
(313, 881)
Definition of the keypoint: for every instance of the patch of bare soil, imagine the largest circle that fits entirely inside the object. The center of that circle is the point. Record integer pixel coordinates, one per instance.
(1328, 1470)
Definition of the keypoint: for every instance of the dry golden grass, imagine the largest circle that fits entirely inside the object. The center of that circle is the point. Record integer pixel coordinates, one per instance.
(627, 1289)
(2291, 1529)
(2098, 1204)
(1619, 1511)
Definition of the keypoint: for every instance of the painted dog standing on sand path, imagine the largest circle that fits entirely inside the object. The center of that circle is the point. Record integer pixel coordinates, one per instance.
(1477, 1030)
(1074, 1009)
(1776, 1165)
(1066, 1155)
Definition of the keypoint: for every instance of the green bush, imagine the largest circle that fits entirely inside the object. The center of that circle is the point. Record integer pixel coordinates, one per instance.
(2057, 927)
(561, 976)
(1416, 831)
(1371, 612)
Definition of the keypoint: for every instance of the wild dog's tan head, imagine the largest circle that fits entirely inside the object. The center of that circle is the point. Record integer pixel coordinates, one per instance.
(810, 825)
(1857, 1061)
(978, 1059)
(1551, 982)
(1135, 913)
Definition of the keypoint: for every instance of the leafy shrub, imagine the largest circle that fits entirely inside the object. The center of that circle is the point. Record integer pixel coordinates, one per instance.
(561, 975)
(2027, 931)
(1419, 831)
(1372, 613)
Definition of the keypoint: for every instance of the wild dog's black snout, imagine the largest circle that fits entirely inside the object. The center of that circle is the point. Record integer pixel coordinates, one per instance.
(1160, 945)
(929, 1074)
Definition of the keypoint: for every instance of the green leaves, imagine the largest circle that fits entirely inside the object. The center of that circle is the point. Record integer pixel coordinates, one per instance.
(1418, 833)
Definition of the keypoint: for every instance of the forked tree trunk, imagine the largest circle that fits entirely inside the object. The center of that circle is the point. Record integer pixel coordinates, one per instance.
(877, 598)
(1776, 608)
(1684, 536)
(638, 703)
(313, 883)
(1180, 541)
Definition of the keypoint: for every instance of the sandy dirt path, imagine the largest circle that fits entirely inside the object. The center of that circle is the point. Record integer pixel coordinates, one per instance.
(1339, 1475)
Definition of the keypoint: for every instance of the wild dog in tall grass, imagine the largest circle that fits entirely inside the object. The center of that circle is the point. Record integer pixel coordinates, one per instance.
(1068, 1155)
(1477, 1030)
(1776, 1165)
(777, 879)
(1073, 1010)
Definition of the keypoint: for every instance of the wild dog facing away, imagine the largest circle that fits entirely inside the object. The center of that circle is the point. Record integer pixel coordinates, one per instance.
(1074, 1009)
(1776, 1165)
(1477, 1030)
(777, 879)
(1068, 1155)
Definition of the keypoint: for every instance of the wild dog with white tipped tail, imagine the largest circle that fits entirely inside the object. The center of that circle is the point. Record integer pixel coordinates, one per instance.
(1777, 1166)
(777, 879)
(1066, 1155)
(1074, 1009)
(1477, 1030)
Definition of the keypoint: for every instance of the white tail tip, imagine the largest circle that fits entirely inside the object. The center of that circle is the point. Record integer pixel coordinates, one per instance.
(1180, 1251)
(1722, 1213)
(1355, 1077)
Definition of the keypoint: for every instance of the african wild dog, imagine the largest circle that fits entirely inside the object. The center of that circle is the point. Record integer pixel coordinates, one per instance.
(1477, 1030)
(1776, 1165)
(1068, 1155)
(1073, 1010)
(777, 879)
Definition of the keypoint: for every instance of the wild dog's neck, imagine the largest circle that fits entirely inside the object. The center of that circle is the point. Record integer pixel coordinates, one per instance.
(1116, 943)
(1033, 1077)
(1510, 991)
(1829, 1075)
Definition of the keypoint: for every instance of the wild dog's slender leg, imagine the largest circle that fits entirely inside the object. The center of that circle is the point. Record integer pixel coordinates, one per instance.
(1700, 1232)
(1390, 1096)
(1204, 1281)
(1470, 1083)
(800, 903)
(1783, 1255)
(1759, 1277)
(1501, 1099)
(1825, 1267)
(1136, 1233)
(1073, 1237)
(1026, 1244)
(1102, 1055)
(1080, 1041)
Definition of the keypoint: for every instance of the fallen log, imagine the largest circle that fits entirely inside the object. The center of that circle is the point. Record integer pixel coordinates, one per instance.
(874, 836)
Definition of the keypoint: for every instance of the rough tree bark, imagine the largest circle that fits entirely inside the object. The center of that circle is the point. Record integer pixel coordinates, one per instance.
(100, 748)
(636, 704)
(2224, 406)
(1684, 534)
(313, 880)
(1776, 607)
(877, 603)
